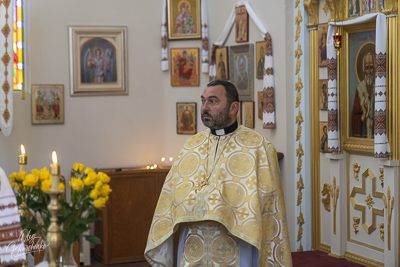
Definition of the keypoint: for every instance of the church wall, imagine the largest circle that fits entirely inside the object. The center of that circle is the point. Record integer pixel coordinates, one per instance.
(140, 128)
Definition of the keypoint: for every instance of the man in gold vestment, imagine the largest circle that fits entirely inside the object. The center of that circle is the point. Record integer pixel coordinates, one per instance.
(222, 200)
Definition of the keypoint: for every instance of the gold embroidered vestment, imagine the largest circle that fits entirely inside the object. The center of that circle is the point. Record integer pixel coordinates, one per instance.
(244, 194)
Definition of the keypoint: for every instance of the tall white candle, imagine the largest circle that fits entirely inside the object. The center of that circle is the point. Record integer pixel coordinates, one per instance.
(55, 172)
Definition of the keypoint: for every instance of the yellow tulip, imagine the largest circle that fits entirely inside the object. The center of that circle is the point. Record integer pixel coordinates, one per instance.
(105, 190)
(31, 180)
(11, 183)
(46, 185)
(91, 178)
(44, 174)
(94, 194)
(61, 186)
(104, 177)
(76, 184)
(98, 185)
(100, 202)
(78, 167)
(88, 170)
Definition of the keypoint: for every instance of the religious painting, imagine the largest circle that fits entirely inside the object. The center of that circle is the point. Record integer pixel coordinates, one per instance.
(322, 34)
(359, 86)
(248, 114)
(186, 120)
(222, 63)
(323, 137)
(241, 24)
(98, 64)
(241, 70)
(185, 64)
(47, 103)
(323, 94)
(381, 5)
(260, 97)
(184, 19)
(368, 6)
(260, 58)
(353, 8)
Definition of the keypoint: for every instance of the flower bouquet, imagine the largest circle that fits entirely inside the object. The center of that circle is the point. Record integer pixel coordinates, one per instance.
(89, 190)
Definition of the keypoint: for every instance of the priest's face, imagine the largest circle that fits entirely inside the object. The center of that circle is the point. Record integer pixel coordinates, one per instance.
(215, 110)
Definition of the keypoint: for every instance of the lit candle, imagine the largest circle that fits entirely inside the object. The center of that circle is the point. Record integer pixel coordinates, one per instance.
(162, 161)
(155, 166)
(148, 167)
(55, 172)
(22, 159)
(170, 160)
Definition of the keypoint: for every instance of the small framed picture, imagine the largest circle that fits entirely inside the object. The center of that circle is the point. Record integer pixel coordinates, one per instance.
(186, 120)
(323, 94)
(47, 104)
(98, 61)
(260, 58)
(322, 34)
(222, 63)
(248, 114)
(184, 19)
(260, 96)
(323, 133)
(241, 61)
(241, 24)
(185, 66)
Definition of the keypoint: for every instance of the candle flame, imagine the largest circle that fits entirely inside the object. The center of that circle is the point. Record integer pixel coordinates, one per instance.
(22, 150)
(162, 159)
(155, 166)
(171, 158)
(54, 157)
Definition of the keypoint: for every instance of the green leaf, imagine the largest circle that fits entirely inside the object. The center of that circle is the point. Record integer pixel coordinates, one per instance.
(93, 239)
(68, 237)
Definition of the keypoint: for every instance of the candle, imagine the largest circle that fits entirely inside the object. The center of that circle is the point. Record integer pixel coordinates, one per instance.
(55, 172)
(22, 159)
(170, 160)
(162, 161)
(148, 167)
(155, 166)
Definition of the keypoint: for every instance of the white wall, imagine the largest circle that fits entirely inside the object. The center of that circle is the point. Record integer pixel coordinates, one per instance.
(138, 129)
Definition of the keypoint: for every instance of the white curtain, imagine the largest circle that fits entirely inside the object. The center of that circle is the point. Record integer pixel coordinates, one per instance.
(6, 68)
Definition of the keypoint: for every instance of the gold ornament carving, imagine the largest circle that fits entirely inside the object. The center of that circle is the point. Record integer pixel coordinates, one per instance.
(362, 208)
(298, 99)
(325, 8)
(300, 187)
(356, 224)
(298, 133)
(391, 7)
(389, 204)
(300, 222)
(298, 65)
(381, 176)
(334, 191)
(299, 83)
(370, 201)
(300, 247)
(382, 231)
(336, 13)
(326, 200)
(356, 169)
(311, 6)
(297, 54)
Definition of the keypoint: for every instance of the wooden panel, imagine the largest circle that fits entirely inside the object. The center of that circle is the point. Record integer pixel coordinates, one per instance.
(127, 219)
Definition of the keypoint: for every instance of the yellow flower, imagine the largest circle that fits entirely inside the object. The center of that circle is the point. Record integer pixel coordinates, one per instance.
(105, 190)
(18, 176)
(94, 194)
(100, 202)
(98, 185)
(104, 177)
(11, 183)
(91, 178)
(78, 167)
(61, 186)
(44, 174)
(76, 184)
(31, 180)
(88, 170)
(46, 185)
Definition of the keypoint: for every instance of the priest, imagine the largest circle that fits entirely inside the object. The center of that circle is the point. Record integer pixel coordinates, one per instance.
(222, 201)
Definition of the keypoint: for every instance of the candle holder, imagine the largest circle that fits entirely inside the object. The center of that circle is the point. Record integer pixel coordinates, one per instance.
(54, 238)
(337, 42)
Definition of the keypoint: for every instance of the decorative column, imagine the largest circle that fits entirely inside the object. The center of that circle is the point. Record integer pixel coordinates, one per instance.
(311, 6)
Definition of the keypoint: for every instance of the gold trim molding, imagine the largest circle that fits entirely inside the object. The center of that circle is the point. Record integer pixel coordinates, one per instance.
(362, 260)
(391, 7)
(389, 210)
(334, 191)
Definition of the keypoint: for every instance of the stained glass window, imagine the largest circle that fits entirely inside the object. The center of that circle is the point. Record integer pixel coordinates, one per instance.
(18, 44)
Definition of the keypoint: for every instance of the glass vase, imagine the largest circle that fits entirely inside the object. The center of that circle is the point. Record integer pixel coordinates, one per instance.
(67, 256)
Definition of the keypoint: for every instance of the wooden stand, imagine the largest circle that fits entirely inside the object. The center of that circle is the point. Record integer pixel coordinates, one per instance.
(127, 219)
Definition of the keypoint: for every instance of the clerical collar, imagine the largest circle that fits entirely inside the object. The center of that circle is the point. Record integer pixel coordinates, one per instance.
(226, 130)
